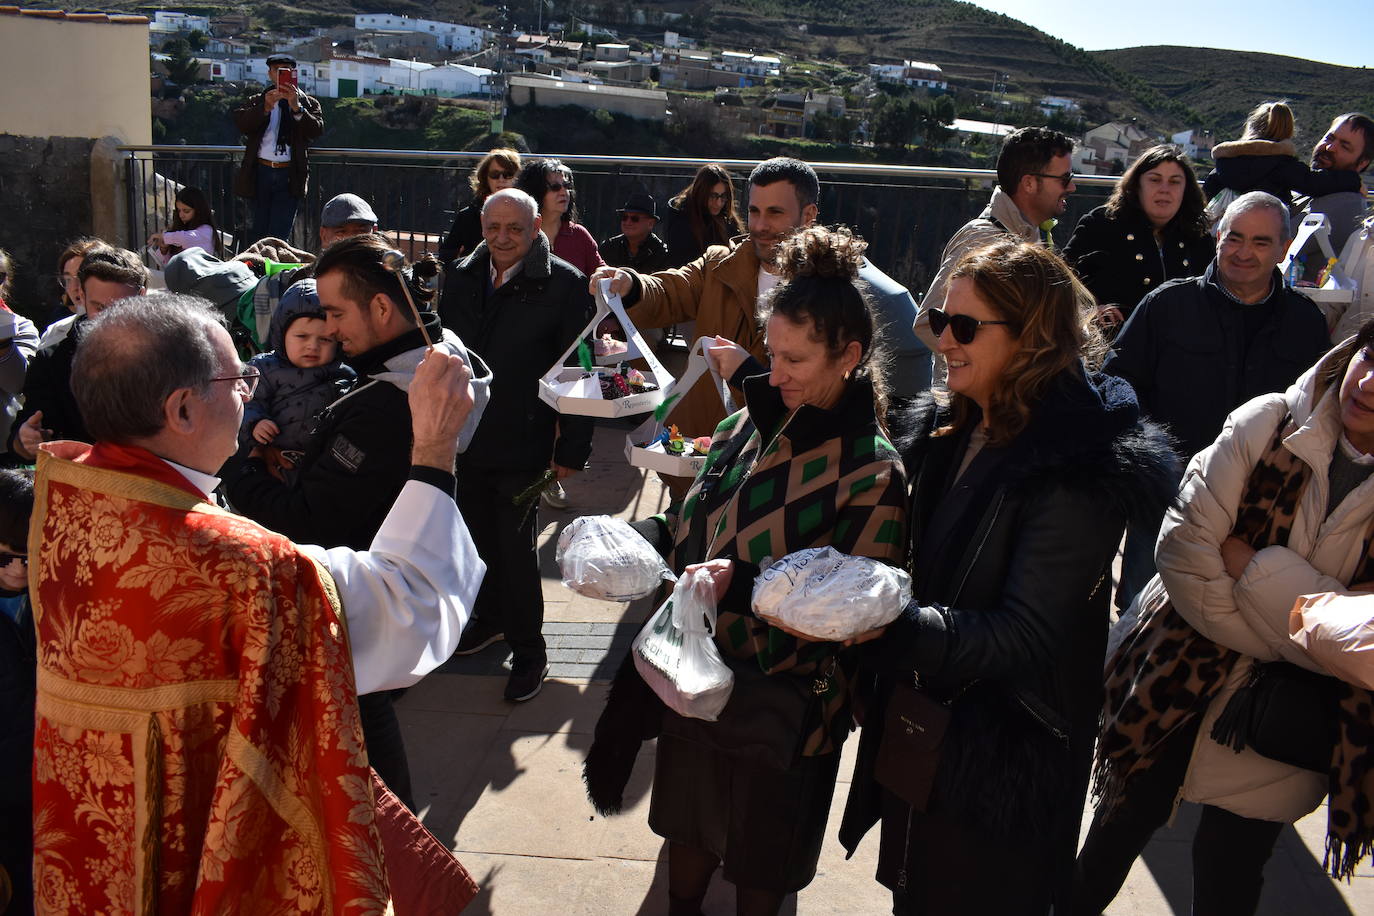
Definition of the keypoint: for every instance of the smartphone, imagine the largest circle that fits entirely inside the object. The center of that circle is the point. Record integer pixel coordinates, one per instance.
(286, 76)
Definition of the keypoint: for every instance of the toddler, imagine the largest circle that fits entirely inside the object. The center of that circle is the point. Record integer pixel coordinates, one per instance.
(301, 375)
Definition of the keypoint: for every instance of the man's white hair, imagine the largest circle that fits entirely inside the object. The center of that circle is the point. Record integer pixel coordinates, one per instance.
(517, 197)
(1256, 200)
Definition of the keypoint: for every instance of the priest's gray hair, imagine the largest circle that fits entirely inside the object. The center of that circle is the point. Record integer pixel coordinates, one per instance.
(134, 354)
(1256, 200)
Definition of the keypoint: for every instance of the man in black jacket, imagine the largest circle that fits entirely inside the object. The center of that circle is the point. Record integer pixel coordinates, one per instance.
(520, 307)
(106, 275)
(1196, 349)
(358, 458)
(279, 123)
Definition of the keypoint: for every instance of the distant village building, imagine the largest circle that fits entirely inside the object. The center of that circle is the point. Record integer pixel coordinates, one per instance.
(686, 69)
(1056, 104)
(1113, 146)
(788, 114)
(1197, 144)
(612, 52)
(971, 128)
(397, 43)
(451, 36)
(166, 22)
(674, 40)
(915, 73)
(649, 104)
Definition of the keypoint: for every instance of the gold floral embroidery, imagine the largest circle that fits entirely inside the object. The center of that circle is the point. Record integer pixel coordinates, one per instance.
(140, 599)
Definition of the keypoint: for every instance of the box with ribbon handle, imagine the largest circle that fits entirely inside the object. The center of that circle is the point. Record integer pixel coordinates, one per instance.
(591, 390)
(659, 445)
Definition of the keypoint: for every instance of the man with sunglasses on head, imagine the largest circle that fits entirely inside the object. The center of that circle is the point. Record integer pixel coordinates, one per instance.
(1034, 181)
(637, 246)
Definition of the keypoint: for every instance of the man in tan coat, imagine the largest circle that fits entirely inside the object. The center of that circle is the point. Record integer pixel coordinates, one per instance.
(721, 289)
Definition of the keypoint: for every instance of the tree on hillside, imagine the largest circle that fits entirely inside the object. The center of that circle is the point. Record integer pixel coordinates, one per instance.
(182, 68)
(895, 119)
(197, 40)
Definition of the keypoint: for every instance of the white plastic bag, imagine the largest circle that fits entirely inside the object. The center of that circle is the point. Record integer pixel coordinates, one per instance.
(603, 557)
(829, 595)
(676, 655)
(1337, 631)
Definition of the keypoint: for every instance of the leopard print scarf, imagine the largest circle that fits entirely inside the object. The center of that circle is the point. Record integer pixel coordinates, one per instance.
(1165, 674)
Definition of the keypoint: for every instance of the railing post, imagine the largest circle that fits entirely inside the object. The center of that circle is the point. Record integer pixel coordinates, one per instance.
(109, 193)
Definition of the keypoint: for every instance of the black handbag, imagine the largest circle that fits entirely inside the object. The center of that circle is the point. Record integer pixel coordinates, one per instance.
(1285, 713)
(914, 726)
(766, 720)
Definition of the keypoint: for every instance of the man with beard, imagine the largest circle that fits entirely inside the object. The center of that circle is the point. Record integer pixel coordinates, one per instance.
(1347, 146)
(1034, 181)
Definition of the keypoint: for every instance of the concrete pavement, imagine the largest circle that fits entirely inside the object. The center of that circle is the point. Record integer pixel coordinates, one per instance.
(502, 783)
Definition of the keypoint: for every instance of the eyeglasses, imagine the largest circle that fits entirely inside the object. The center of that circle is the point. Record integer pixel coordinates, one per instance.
(494, 175)
(249, 379)
(560, 185)
(1066, 179)
(716, 195)
(963, 327)
(63, 280)
(632, 217)
(7, 558)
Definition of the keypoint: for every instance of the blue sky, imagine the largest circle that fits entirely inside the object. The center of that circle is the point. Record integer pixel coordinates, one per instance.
(1274, 26)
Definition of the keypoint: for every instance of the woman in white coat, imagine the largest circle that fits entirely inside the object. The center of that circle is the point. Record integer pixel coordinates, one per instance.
(1281, 505)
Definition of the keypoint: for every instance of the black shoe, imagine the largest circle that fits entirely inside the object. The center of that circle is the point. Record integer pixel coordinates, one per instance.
(476, 637)
(526, 679)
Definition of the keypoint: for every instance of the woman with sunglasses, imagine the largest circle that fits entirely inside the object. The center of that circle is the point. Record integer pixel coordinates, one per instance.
(701, 215)
(1023, 476)
(495, 171)
(550, 182)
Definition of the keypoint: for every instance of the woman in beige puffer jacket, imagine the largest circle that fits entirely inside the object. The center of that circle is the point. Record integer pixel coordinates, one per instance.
(1240, 599)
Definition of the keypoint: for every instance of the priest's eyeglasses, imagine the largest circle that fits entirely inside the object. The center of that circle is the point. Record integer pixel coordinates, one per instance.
(248, 379)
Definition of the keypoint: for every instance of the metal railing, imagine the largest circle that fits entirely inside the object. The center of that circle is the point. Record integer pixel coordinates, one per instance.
(906, 213)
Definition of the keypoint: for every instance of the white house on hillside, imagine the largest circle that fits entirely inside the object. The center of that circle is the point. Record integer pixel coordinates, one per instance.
(451, 35)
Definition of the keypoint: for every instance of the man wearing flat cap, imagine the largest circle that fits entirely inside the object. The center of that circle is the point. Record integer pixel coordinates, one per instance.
(279, 123)
(637, 247)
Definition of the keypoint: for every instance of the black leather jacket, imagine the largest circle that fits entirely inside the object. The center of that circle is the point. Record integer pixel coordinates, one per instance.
(1011, 569)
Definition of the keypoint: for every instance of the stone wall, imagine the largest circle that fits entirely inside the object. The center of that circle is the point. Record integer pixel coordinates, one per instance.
(46, 185)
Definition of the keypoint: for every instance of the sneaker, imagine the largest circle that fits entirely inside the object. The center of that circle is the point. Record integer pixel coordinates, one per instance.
(476, 637)
(554, 495)
(526, 679)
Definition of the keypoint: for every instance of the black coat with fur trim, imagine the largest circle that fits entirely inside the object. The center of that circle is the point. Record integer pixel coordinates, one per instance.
(1011, 570)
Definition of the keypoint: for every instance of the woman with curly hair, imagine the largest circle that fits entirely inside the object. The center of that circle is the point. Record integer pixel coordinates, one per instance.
(806, 464)
(1152, 229)
(701, 215)
(1023, 476)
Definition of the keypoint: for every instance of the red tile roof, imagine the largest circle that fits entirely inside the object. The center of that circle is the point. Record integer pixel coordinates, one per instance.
(115, 18)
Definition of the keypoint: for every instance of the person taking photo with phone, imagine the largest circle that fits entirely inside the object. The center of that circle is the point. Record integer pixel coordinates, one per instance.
(279, 123)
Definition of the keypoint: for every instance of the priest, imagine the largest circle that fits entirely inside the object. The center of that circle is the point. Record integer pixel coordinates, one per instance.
(198, 746)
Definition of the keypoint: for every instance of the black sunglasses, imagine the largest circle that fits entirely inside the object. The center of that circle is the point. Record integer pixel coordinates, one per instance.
(558, 186)
(1066, 179)
(7, 558)
(963, 327)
